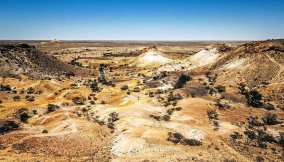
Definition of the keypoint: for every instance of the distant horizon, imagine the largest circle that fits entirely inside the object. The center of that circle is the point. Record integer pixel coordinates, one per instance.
(151, 20)
(137, 40)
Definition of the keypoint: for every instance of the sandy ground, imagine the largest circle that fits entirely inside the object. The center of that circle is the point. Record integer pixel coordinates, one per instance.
(129, 125)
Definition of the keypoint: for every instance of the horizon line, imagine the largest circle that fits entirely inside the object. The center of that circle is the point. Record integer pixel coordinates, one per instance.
(137, 40)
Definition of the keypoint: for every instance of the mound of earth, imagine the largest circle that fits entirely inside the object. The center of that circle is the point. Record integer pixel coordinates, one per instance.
(151, 58)
(252, 63)
(25, 59)
(202, 58)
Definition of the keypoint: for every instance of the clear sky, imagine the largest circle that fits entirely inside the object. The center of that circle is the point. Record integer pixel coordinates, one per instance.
(142, 19)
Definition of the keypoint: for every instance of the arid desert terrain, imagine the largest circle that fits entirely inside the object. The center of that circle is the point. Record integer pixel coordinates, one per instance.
(137, 101)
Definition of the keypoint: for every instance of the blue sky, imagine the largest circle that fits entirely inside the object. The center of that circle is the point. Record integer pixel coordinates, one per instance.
(142, 19)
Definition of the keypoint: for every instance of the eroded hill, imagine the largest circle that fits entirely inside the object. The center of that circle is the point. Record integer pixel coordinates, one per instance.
(182, 102)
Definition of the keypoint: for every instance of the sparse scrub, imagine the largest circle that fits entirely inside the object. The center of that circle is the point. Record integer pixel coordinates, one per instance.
(190, 142)
(253, 121)
(30, 90)
(250, 134)
(178, 138)
(260, 136)
(52, 108)
(34, 112)
(175, 137)
(213, 118)
(78, 100)
(182, 81)
(172, 110)
(7, 126)
(235, 136)
(268, 106)
(230, 160)
(172, 99)
(216, 125)
(263, 138)
(113, 117)
(161, 75)
(166, 118)
(254, 98)
(92, 102)
(211, 77)
(222, 104)
(45, 131)
(17, 98)
(30, 98)
(221, 89)
(94, 86)
(270, 119)
(259, 159)
(124, 87)
(23, 114)
(14, 91)
(161, 118)
(136, 89)
(151, 94)
(281, 139)
(5, 87)
(212, 115)
(156, 117)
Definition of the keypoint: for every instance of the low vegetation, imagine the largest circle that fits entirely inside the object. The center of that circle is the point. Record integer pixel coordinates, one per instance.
(178, 138)
(182, 81)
